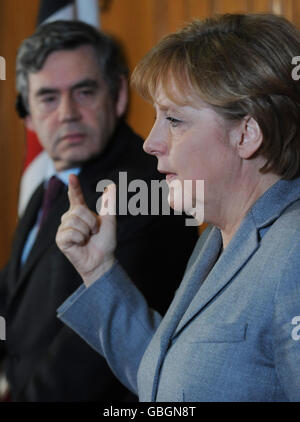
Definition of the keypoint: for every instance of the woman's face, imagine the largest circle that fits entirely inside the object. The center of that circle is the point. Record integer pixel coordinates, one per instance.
(193, 143)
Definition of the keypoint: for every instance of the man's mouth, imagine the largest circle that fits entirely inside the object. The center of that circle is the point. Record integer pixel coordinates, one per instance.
(73, 138)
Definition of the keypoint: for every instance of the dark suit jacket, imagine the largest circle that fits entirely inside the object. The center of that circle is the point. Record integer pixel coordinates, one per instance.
(44, 359)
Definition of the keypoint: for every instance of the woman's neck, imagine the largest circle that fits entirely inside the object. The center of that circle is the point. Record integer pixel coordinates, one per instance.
(239, 202)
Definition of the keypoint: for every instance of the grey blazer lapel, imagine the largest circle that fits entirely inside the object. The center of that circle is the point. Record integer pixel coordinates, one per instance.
(243, 245)
(194, 276)
(240, 249)
(192, 281)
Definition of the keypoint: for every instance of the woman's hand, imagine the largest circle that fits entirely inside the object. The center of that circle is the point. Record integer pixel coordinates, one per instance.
(88, 240)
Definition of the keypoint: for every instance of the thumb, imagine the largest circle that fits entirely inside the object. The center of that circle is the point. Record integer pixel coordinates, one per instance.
(74, 191)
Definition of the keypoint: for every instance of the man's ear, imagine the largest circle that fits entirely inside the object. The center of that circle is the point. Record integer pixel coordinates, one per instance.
(251, 138)
(122, 100)
(28, 123)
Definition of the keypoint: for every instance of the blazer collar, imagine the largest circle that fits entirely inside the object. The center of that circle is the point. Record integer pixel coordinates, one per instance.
(246, 241)
(189, 286)
(281, 195)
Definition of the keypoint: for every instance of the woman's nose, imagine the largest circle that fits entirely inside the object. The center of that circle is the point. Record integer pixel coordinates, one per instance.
(155, 143)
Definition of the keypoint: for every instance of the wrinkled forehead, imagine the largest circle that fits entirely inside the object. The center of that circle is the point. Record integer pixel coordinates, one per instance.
(66, 68)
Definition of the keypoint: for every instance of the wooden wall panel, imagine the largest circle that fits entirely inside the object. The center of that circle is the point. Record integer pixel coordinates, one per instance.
(259, 6)
(139, 24)
(296, 13)
(199, 9)
(288, 9)
(277, 7)
(17, 20)
(138, 36)
(177, 14)
(229, 6)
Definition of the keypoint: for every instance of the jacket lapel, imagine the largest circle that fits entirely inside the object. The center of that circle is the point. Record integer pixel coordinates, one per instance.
(44, 239)
(230, 262)
(26, 223)
(45, 236)
(242, 246)
(208, 276)
(194, 277)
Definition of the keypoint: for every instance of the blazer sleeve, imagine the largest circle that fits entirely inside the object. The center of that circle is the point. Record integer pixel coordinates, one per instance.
(286, 327)
(113, 317)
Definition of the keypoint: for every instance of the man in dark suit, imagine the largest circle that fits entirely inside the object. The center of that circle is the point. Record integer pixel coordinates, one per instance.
(72, 82)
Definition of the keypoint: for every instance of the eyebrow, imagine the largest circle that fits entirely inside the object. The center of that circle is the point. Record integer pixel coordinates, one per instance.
(167, 107)
(85, 83)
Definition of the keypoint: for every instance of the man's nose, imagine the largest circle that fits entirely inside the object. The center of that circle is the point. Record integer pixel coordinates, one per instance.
(68, 108)
(155, 144)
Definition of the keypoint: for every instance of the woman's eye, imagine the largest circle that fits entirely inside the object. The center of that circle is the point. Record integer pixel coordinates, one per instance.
(173, 122)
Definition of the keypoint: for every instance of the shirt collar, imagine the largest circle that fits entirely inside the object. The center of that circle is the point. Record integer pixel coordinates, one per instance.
(62, 175)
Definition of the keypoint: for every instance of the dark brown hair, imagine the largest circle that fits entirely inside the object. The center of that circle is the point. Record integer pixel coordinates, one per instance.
(240, 65)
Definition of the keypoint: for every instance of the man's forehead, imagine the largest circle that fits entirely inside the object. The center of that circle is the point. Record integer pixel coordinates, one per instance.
(64, 68)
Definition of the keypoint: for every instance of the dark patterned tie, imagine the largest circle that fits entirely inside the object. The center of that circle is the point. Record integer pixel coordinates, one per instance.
(54, 187)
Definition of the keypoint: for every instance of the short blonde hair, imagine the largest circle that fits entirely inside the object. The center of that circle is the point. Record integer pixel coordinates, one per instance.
(240, 65)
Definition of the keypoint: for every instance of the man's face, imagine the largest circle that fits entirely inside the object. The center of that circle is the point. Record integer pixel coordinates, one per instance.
(71, 108)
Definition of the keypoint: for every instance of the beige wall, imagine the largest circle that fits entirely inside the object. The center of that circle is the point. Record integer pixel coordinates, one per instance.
(139, 24)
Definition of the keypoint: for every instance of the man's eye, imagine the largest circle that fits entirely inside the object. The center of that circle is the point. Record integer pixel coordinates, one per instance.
(86, 93)
(173, 122)
(85, 96)
(48, 100)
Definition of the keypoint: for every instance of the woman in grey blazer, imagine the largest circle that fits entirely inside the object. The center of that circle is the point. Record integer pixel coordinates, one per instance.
(226, 95)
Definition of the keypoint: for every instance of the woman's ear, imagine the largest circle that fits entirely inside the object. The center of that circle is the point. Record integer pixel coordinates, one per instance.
(251, 138)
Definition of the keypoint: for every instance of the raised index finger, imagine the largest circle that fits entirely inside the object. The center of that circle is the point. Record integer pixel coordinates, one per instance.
(74, 192)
